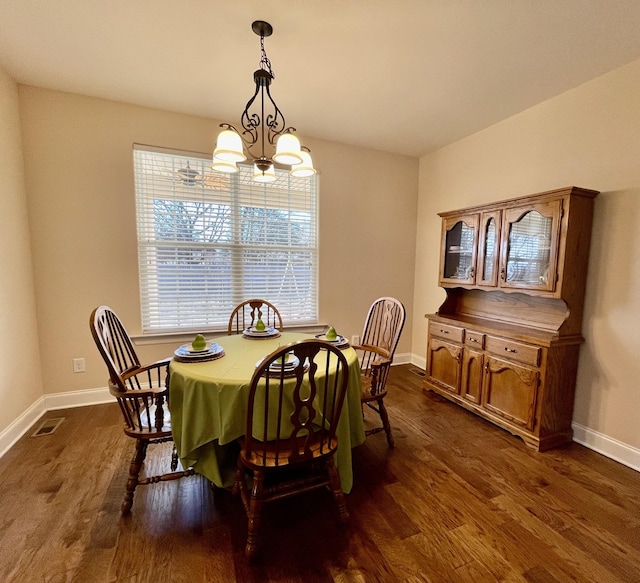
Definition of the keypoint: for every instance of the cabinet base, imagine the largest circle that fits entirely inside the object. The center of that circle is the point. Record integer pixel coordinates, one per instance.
(529, 437)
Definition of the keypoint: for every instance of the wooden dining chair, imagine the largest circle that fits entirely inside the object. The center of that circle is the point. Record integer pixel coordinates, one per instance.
(380, 337)
(141, 392)
(247, 313)
(290, 436)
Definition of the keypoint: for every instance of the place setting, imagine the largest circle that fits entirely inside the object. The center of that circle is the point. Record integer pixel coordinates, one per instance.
(332, 336)
(287, 364)
(260, 330)
(199, 350)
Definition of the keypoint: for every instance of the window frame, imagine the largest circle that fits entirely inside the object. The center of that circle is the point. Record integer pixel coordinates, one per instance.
(265, 226)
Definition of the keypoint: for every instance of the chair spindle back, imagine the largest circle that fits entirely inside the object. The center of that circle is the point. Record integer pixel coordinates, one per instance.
(294, 407)
(384, 324)
(247, 314)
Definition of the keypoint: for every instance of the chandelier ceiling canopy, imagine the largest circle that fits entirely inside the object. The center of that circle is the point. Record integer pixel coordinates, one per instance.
(263, 129)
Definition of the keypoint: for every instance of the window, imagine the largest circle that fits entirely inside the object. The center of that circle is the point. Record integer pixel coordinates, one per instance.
(207, 241)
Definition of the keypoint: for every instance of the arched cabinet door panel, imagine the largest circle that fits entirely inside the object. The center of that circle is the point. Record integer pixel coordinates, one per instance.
(530, 240)
(471, 382)
(459, 245)
(489, 248)
(444, 364)
(510, 391)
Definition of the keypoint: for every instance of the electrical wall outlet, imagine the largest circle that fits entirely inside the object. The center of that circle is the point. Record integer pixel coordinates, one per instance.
(79, 365)
(355, 339)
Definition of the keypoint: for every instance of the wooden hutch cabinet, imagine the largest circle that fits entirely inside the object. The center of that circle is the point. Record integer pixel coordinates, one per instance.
(505, 342)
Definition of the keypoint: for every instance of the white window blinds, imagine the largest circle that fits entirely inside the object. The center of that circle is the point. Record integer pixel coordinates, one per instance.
(207, 241)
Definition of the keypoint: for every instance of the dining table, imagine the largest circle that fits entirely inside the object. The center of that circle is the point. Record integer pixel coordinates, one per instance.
(208, 404)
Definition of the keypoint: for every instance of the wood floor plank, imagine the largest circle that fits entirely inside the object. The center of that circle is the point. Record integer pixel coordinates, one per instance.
(500, 562)
(539, 575)
(619, 560)
(583, 565)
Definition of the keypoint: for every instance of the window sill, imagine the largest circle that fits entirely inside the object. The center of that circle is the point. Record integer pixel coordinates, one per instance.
(175, 337)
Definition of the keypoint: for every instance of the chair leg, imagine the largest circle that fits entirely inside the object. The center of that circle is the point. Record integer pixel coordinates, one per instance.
(254, 512)
(336, 490)
(385, 422)
(134, 472)
(174, 458)
(239, 480)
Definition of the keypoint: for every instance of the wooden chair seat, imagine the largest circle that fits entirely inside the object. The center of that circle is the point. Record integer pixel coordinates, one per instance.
(366, 396)
(269, 454)
(146, 424)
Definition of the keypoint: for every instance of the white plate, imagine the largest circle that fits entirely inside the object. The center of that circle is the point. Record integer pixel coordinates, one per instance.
(186, 351)
(253, 330)
(189, 348)
(288, 366)
(271, 331)
(339, 339)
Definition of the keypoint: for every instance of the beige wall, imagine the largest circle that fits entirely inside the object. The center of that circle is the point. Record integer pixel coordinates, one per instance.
(368, 205)
(79, 171)
(20, 380)
(587, 137)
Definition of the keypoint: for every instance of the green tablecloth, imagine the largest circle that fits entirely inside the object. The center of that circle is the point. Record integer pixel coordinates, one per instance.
(208, 404)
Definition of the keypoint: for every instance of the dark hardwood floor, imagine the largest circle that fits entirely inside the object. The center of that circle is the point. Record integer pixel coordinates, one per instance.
(458, 500)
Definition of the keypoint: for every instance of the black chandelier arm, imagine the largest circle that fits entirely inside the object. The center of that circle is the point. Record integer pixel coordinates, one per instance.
(228, 126)
(275, 121)
(250, 121)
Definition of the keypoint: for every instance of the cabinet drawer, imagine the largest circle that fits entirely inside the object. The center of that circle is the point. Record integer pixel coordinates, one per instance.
(474, 339)
(452, 333)
(524, 353)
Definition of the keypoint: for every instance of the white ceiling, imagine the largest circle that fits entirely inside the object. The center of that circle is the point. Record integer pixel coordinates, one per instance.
(406, 76)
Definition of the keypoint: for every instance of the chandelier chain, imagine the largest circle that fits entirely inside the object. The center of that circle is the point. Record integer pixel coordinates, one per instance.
(265, 63)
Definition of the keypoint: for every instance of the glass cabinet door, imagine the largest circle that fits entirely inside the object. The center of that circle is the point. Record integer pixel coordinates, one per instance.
(488, 249)
(530, 246)
(459, 242)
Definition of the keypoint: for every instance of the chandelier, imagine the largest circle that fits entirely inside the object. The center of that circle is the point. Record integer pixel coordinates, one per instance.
(263, 127)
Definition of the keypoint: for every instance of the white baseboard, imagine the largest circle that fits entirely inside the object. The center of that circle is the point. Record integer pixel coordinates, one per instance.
(607, 446)
(21, 425)
(77, 399)
(24, 422)
(404, 358)
(419, 361)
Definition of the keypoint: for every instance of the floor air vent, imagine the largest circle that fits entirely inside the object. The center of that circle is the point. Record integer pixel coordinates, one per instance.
(47, 427)
(417, 371)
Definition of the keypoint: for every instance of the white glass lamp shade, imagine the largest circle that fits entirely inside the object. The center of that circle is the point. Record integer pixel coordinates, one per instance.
(269, 175)
(229, 147)
(288, 150)
(223, 166)
(305, 168)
